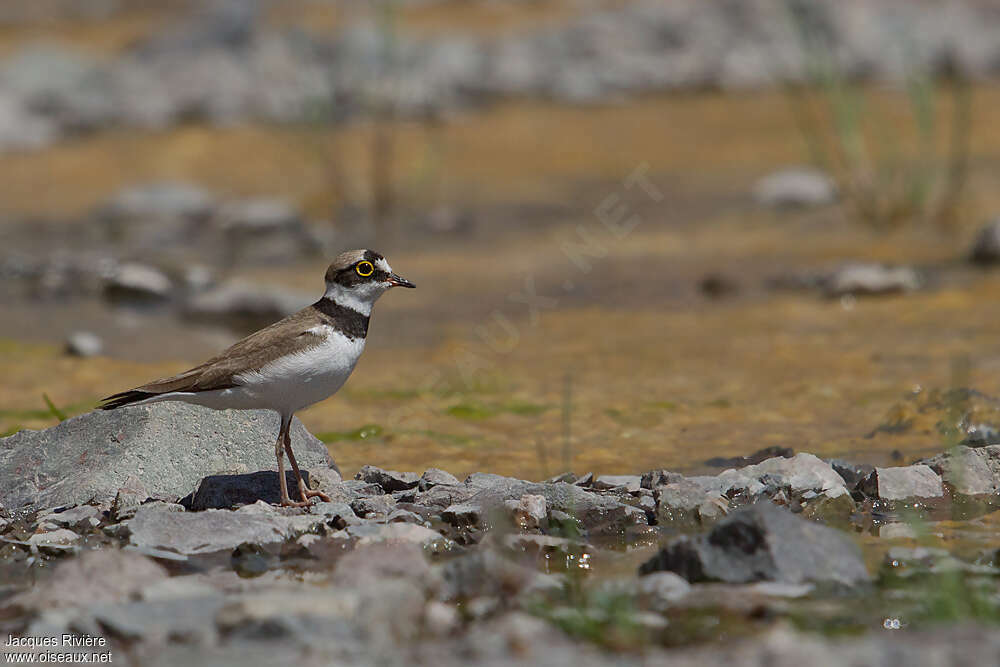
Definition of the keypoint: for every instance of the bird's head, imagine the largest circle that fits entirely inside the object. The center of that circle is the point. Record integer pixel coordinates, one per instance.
(357, 278)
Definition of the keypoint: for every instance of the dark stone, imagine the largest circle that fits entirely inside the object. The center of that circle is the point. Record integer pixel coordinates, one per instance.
(852, 473)
(655, 478)
(228, 491)
(753, 459)
(764, 543)
(389, 480)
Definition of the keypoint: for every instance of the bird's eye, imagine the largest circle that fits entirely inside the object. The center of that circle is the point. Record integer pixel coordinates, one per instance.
(365, 268)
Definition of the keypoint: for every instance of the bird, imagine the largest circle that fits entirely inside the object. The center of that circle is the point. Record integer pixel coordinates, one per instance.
(289, 365)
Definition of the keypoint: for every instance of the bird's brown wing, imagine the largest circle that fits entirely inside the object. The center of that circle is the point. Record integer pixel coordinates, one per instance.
(252, 353)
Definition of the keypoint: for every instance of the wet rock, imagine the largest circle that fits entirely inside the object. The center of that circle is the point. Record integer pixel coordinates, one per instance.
(600, 515)
(685, 503)
(84, 344)
(94, 577)
(212, 531)
(903, 483)
(969, 471)
(389, 480)
(243, 306)
(752, 459)
(628, 483)
(137, 284)
(435, 477)
(764, 543)
(250, 560)
(463, 515)
(851, 473)
(528, 512)
(986, 247)
(166, 447)
(227, 491)
(871, 279)
(795, 187)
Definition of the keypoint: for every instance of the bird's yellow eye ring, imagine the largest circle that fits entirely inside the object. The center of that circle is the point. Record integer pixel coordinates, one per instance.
(365, 268)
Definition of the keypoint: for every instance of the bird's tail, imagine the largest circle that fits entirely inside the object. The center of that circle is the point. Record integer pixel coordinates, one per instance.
(125, 398)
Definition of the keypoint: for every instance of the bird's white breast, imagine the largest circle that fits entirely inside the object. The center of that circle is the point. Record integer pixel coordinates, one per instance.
(302, 378)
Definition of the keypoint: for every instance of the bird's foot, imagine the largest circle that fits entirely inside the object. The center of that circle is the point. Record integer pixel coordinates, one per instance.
(310, 493)
(292, 503)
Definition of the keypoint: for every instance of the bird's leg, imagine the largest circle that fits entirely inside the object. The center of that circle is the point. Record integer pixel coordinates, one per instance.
(304, 491)
(278, 451)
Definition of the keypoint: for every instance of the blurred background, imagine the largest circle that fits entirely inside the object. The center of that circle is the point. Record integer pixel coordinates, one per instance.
(645, 233)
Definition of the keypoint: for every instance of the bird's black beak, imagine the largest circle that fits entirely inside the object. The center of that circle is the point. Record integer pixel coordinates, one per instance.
(399, 281)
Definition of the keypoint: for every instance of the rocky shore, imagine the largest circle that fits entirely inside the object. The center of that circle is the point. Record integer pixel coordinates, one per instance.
(220, 67)
(151, 527)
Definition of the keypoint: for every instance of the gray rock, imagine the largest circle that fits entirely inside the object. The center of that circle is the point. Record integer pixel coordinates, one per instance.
(903, 483)
(659, 591)
(93, 577)
(435, 477)
(801, 473)
(795, 187)
(264, 230)
(127, 499)
(371, 562)
(54, 541)
(655, 478)
(226, 491)
(628, 483)
(212, 531)
(84, 344)
(159, 201)
(986, 247)
(375, 508)
(871, 279)
(369, 533)
(154, 215)
(82, 516)
(685, 503)
(137, 284)
(166, 447)
(763, 542)
(969, 471)
(244, 306)
(600, 515)
(389, 480)
(22, 130)
(529, 511)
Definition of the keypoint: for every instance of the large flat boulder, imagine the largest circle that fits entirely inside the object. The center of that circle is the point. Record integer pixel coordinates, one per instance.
(167, 447)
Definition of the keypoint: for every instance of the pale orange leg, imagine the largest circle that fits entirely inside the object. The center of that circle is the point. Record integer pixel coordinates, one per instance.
(305, 492)
(282, 444)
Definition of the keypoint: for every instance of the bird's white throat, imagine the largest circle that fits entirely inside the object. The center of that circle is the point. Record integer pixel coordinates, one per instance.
(359, 299)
